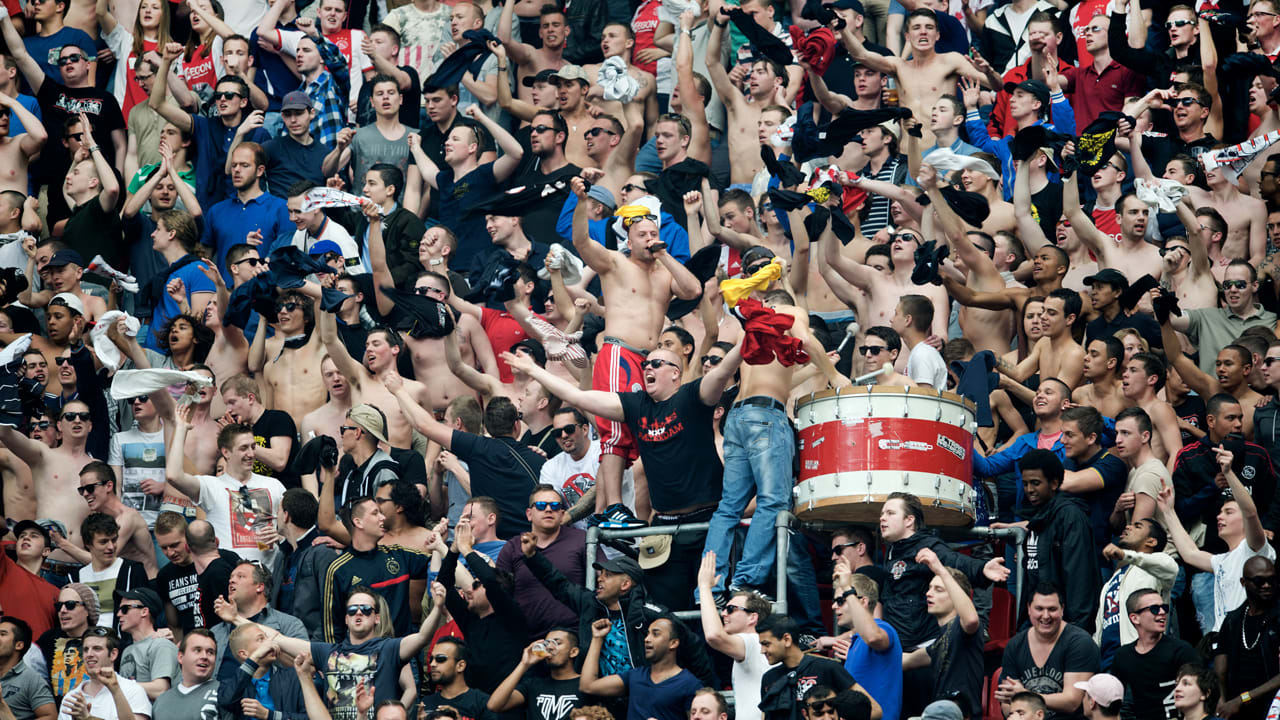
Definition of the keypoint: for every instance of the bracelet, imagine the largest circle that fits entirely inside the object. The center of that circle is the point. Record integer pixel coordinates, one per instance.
(722, 25)
(1245, 697)
(93, 149)
(502, 68)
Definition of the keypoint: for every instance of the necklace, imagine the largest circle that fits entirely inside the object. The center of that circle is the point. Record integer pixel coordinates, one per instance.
(1243, 640)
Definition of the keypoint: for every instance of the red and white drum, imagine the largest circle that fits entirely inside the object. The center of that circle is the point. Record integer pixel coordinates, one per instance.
(859, 444)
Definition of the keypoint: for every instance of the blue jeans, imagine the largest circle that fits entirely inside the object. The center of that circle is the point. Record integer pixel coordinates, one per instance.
(1202, 596)
(759, 445)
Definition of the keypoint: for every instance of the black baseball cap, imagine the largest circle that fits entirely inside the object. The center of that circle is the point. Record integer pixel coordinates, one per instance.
(543, 76)
(1109, 276)
(622, 565)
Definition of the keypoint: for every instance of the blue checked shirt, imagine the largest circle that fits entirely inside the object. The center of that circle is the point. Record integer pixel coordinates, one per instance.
(328, 94)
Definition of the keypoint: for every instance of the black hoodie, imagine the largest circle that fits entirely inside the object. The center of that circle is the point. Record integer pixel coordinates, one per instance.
(903, 594)
(1059, 550)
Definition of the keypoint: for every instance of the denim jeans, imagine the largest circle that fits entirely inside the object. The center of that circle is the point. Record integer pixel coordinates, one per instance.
(1202, 596)
(759, 445)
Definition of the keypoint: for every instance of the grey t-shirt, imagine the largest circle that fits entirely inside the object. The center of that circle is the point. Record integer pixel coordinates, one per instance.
(150, 659)
(189, 703)
(24, 691)
(369, 147)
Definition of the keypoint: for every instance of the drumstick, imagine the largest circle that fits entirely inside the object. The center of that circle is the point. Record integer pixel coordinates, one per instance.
(886, 369)
(850, 333)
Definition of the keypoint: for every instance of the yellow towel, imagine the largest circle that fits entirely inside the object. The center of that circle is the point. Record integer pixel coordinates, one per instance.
(736, 289)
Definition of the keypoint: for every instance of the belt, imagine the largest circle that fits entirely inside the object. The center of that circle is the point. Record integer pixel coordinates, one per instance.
(611, 340)
(61, 569)
(685, 516)
(763, 401)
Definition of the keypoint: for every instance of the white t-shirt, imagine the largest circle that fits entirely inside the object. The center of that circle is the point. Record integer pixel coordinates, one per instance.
(232, 508)
(747, 674)
(335, 232)
(141, 455)
(574, 478)
(1228, 568)
(103, 584)
(926, 367)
(102, 705)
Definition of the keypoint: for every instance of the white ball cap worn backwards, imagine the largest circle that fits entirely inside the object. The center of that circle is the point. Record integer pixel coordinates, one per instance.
(70, 301)
(1105, 689)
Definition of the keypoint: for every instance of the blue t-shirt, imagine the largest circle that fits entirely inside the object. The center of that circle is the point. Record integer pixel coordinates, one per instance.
(879, 672)
(456, 198)
(15, 123)
(46, 49)
(1114, 473)
(344, 665)
(614, 658)
(195, 281)
(667, 700)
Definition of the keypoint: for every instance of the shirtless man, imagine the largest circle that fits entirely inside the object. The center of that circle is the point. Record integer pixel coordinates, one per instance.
(768, 85)
(58, 470)
(553, 31)
(1246, 216)
(1057, 354)
(98, 488)
(1144, 376)
(1232, 367)
(382, 346)
(329, 418)
(1186, 265)
(617, 40)
(290, 361)
(61, 273)
(884, 290)
(984, 179)
(612, 144)
(571, 85)
(1131, 254)
(882, 344)
(1103, 366)
(542, 94)
(15, 476)
(200, 452)
(637, 289)
(759, 416)
(733, 221)
(927, 75)
(17, 152)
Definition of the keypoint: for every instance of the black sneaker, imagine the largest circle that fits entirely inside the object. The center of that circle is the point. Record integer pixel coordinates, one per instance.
(618, 517)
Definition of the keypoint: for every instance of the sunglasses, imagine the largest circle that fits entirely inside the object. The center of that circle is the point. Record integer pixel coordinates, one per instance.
(907, 237)
(42, 425)
(1234, 284)
(347, 428)
(871, 349)
(253, 262)
(548, 505)
(837, 549)
(75, 136)
(844, 596)
(631, 187)
(87, 490)
(731, 609)
(565, 431)
(67, 604)
(1166, 250)
(1159, 609)
(139, 399)
(440, 659)
(127, 608)
(656, 364)
(596, 132)
(366, 610)
(287, 307)
(1258, 580)
(1268, 361)
(542, 128)
(712, 360)
(821, 706)
(62, 360)
(68, 59)
(74, 416)
(1171, 24)
(755, 268)
(227, 95)
(424, 290)
(629, 221)
(1185, 102)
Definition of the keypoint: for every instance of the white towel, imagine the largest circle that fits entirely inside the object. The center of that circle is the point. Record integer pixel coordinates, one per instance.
(617, 83)
(132, 383)
(1160, 193)
(108, 354)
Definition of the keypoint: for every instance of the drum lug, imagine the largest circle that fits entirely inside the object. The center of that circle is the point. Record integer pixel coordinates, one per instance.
(869, 487)
(811, 406)
(938, 418)
(906, 405)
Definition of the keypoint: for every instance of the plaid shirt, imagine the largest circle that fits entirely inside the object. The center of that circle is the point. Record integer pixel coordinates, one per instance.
(328, 93)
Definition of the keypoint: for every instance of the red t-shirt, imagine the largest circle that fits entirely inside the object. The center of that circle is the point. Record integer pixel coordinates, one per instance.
(503, 331)
(1082, 17)
(27, 596)
(199, 69)
(1107, 222)
(644, 24)
(133, 92)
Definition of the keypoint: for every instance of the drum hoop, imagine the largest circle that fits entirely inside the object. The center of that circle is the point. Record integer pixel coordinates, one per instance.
(918, 392)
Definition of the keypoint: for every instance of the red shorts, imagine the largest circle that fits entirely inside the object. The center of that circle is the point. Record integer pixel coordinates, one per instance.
(617, 369)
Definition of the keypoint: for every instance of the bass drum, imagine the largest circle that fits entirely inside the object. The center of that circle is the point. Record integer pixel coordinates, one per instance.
(857, 445)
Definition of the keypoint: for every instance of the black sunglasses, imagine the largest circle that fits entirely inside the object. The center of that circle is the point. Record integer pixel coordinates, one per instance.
(1160, 609)
(657, 363)
(1185, 102)
(424, 290)
(712, 359)
(566, 431)
(139, 399)
(632, 186)
(1269, 361)
(366, 610)
(88, 489)
(476, 585)
(548, 505)
(873, 349)
(75, 136)
(126, 608)
(288, 306)
(68, 59)
(253, 262)
(74, 416)
(67, 604)
(438, 659)
(596, 132)
(42, 424)
(542, 128)
(226, 95)
(1268, 580)
(837, 549)
(62, 360)
(345, 428)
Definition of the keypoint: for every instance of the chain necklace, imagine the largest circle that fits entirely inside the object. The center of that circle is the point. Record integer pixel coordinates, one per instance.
(1257, 639)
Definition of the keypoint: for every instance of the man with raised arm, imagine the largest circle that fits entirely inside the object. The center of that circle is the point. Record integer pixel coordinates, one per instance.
(637, 288)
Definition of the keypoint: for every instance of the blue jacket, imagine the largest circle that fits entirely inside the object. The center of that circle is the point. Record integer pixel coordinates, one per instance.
(1006, 461)
(1064, 121)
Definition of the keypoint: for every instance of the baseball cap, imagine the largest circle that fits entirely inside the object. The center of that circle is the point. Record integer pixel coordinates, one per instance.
(25, 525)
(569, 72)
(941, 710)
(1035, 87)
(51, 525)
(69, 301)
(66, 257)
(534, 348)
(854, 5)
(1109, 276)
(654, 551)
(296, 100)
(1105, 689)
(543, 76)
(370, 419)
(601, 193)
(324, 246)
(148, 597)
(622, 565)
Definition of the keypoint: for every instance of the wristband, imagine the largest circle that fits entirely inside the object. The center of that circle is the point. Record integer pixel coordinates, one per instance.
(722, 25)
(503, 68)
(1245, 697)
(93, 149)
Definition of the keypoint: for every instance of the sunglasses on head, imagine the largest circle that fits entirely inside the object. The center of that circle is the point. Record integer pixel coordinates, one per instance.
(548, 505)
(566, 431)
(68, 59)
(67, 604)
(74, 416)
(629, 221)
(366, 610)
(657, 363)
(712, 359)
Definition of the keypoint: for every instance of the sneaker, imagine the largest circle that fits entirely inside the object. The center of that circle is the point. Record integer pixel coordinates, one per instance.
(617, 517)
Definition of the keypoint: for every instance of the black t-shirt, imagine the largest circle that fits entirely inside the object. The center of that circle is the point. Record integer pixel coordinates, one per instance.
(1247, 669)
(543, 440)
(540, 225)
(471, 705)
(676, 435)
(410, 101)
(810, 672)
(92, 230)
(957, 663)
(213, 582)
(276, 423)
(549, 699)
(1074, 652)
(289, 161)
(1160, 150)
(1144, 323)
(1191, 411)
(179, 585)
(506, 470)
(59, 103)
(1150, 677)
